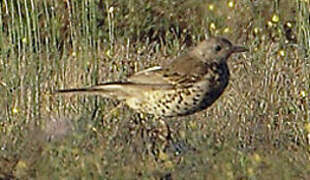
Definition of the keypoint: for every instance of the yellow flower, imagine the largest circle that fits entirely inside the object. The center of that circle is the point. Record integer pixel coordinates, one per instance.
(211, 7)
(270, 24)
(73, 54)
(256, 30)
(231, 4)
(289, 24)
(212, 26)
(226, 30)
(15, 110)
(24, 40)
(109, 53)
(303, 94)
(282, 53)
(275, 18)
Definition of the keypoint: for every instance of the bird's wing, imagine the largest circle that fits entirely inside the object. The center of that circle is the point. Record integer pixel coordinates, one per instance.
(186, 70)
(151, 76)
(182, 72)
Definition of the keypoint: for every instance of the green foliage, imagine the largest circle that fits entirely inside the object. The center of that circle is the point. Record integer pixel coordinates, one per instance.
(259, 128)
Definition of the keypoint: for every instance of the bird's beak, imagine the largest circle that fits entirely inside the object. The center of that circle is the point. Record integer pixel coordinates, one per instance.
(236, 49)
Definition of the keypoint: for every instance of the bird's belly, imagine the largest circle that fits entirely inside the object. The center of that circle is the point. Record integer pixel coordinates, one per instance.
(177, 102)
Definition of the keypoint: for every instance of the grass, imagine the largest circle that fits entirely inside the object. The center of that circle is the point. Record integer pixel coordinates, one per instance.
(258, 129)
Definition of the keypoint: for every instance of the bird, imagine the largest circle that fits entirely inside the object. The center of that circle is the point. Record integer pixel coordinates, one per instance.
(188, 84)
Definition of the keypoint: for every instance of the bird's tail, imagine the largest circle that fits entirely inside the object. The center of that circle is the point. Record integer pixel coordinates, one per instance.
(117, 90)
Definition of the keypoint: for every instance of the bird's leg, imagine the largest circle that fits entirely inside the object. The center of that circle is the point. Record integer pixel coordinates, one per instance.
(153, 132)
(159, 135)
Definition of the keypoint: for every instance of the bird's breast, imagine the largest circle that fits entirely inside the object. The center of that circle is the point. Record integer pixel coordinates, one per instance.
(213, 85)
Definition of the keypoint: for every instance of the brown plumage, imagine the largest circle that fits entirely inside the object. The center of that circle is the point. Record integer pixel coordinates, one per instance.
(190, 83)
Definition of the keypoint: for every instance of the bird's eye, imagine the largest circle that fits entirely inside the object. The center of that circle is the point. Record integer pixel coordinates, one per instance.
(218, 48)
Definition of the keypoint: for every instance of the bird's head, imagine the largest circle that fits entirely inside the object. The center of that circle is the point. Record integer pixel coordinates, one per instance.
(217, 49)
